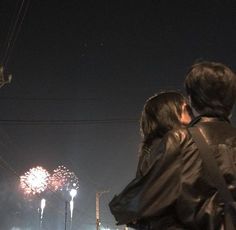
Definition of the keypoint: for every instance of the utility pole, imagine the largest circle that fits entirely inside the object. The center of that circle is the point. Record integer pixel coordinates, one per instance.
(3, 80)
(66, 208)
(98, 195)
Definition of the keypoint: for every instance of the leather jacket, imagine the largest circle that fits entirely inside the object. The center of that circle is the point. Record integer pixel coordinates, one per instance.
(176, 192)
(146, 158)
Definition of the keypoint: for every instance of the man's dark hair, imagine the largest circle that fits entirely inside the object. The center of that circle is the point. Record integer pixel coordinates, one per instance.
(212, 88)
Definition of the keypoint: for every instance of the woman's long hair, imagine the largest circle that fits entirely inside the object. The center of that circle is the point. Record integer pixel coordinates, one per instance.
(160, 114)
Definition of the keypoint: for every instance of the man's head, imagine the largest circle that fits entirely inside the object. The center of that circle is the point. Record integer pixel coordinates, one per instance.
(211, 87)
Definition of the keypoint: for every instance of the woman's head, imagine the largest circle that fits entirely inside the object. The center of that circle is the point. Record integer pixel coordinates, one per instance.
(163, 112)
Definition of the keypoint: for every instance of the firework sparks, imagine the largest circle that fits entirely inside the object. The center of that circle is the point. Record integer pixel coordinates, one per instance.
(63, 179)
(34, 181)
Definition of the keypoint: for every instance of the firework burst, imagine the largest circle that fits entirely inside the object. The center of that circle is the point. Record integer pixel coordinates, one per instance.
(63, 179)
(34, 181)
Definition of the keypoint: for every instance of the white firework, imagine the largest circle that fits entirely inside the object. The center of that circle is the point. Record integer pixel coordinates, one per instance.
(34, 181)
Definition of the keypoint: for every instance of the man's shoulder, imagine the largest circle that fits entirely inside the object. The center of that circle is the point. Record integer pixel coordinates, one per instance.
(217, 132)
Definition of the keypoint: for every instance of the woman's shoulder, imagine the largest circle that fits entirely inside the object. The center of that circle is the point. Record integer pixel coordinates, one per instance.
(175, 140)
(178, 134)
(156, 141)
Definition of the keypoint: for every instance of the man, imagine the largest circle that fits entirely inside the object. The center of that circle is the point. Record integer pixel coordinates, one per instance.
(177, 192)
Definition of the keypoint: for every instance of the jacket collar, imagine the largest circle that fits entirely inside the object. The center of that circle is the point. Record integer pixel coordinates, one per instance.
(206, 118)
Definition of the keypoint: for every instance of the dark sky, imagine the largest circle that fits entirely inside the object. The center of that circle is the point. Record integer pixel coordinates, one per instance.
(82, 71)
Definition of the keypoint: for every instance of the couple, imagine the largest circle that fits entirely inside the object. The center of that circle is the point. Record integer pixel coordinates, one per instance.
(176, 187)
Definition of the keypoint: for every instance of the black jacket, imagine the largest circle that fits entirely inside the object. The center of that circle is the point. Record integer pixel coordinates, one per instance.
(176, 192)
(147, 158)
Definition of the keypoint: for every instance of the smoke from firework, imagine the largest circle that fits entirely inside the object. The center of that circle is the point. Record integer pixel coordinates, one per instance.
(34, 181)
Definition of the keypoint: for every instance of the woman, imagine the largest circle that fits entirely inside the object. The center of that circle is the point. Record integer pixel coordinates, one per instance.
(161, 113)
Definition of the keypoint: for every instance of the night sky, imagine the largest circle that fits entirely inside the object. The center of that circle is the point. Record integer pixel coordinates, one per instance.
(82, 71)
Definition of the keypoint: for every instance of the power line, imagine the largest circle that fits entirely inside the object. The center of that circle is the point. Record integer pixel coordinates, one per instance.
(67, 122)
(10, 31)
(49, 99)
(15, 30)
(60, 99)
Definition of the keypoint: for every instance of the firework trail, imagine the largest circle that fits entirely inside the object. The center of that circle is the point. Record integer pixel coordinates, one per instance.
(34, 181)
(42, 206)
(73, 193)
